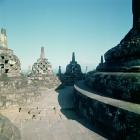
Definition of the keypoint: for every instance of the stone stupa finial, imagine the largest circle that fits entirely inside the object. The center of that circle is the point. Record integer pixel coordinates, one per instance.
(42, 55)
(3, 31)
(59, 70)
(73, 57)
(102, 60)
(136, 13)
(3, 38)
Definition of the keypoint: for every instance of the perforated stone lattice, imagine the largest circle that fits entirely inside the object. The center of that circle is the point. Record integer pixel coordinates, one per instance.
(9, 63)
(42, 66)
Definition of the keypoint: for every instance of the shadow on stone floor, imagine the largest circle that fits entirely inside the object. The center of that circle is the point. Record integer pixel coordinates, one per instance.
(8, 131)
(66, 102)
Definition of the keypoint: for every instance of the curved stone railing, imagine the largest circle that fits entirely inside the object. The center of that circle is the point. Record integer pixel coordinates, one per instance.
(132, 107)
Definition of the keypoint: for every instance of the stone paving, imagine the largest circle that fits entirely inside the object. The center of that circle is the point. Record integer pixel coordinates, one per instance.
(43, 119)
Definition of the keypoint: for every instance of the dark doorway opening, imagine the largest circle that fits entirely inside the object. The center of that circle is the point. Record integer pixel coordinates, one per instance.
(2, 57)
(6, 61)
(2, 65)
(6, 70)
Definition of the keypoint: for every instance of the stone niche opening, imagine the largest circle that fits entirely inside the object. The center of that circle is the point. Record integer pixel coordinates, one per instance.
(2, 57)
(6, 61)
(2, 65)
(6, 70)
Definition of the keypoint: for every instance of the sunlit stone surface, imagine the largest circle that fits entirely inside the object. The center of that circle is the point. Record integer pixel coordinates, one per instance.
(50, 116)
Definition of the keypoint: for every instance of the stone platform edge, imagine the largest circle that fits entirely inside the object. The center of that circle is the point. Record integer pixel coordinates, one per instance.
(83, 89)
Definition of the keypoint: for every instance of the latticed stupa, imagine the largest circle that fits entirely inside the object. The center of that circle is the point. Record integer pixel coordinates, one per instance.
(73, 72)
(42, 71)
(9, 63)
(42, 67)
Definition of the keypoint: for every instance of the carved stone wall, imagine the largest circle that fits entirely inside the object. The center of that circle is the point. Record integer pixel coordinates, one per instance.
(115, 123)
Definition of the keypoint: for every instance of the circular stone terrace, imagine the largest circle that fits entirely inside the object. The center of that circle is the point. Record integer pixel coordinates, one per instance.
(50, 117)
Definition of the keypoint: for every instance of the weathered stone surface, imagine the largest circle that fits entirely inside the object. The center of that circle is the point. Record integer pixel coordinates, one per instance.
(124, 86)
(50, 117)
(126, 54)
(17, 91)
(136, 13)
(116, 123)
(7, 130)
(3, 38)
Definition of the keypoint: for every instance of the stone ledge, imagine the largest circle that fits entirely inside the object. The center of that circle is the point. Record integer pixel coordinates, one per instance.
(132, 107)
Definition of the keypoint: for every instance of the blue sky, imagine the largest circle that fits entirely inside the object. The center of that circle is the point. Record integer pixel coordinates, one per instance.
(87, 27)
